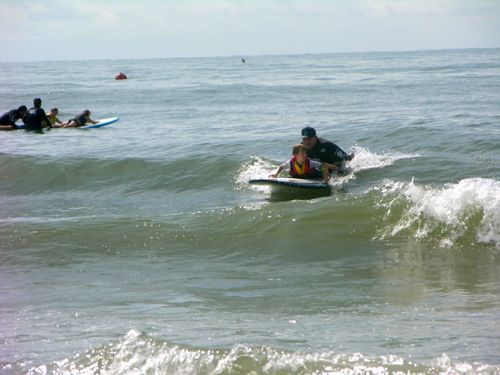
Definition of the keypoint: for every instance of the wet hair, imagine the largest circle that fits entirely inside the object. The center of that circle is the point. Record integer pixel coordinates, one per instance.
(297, 148)
(37, 102)
(55, 109)
(86, 112)
(22, 108)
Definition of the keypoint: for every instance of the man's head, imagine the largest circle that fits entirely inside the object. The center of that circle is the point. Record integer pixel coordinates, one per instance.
(308, 137)
(37, 102)
(86, 112)
(21, 111)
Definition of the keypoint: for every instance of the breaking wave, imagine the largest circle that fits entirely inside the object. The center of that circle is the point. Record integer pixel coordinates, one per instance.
(138, 353)
(469, 208)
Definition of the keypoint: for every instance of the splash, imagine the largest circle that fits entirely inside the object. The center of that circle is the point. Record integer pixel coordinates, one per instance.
(257, 167)
(137, 353)
(364, 159)
(450, 212)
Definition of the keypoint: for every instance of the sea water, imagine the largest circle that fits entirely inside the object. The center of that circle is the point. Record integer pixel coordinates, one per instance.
(141, 248)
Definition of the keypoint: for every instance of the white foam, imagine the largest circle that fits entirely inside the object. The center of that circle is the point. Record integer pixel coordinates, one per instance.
(364, 159)
(256, 168)
(452, 205)
(137, 353)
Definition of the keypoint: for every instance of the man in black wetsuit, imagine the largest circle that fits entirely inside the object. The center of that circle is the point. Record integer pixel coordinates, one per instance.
(8, 119)
(324, 150)
(36, 116)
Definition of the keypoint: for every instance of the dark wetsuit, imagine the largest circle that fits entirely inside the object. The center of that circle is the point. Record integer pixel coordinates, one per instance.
(328, 152)
(35, 117)
(81, 119)
(10, 118)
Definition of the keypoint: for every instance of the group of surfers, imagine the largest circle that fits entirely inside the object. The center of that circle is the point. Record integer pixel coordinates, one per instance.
(35, 118)
(315, 158)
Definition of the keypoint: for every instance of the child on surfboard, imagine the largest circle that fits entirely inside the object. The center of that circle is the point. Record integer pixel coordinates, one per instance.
(52, 116)
(80, 120)
(300, 166)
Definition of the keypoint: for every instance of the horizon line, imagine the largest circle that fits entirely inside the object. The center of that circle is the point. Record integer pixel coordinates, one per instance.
(239, 56)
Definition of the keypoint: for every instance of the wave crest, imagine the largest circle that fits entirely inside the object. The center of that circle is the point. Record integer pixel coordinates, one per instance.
(469, 207)
(137, 353)
(364, 159)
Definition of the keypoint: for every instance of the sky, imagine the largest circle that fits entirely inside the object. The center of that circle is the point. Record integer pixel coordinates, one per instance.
(32, 30)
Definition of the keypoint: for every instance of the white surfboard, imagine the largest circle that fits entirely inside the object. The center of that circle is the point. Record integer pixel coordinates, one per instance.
(290, 182)
(293, 188)
(101, 123)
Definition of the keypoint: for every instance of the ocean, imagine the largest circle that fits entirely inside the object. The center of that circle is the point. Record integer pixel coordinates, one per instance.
(141, 248)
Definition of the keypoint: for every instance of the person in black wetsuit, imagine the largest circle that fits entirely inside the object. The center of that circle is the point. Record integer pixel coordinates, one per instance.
(324, 150)
(79, 120)
(36, 117)
(8, 119)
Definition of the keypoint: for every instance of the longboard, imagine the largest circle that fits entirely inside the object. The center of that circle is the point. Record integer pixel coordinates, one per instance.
(298, 183)
(101, 123)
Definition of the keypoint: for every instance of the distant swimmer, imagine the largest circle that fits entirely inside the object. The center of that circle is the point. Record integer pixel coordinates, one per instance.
(243, 60)
(36, 117)
(8, 119)
(120, 76)
(324, 150)
(80, 120)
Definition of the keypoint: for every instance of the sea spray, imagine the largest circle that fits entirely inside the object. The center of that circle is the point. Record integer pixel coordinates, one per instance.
(138, 353)
(452, 210)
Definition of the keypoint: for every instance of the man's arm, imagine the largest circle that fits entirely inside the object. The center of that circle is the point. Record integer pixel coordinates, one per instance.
(46, 119)
(336, 154)
(12, 120)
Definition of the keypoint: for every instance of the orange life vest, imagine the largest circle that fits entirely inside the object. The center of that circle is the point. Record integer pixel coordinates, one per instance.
(304, 170)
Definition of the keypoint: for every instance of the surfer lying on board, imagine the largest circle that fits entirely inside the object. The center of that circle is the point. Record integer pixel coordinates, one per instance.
(324, 150)
(79, 120)
(8, 119)
(300, 166)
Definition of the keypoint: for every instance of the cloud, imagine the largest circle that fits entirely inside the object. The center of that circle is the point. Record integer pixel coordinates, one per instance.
(153, 28)
(95, 11)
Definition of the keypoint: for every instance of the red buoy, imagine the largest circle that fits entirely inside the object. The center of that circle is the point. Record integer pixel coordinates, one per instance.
(121, 76)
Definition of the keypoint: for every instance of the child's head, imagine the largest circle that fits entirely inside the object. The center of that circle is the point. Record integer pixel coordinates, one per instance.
(299, 151)
(54, 111)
